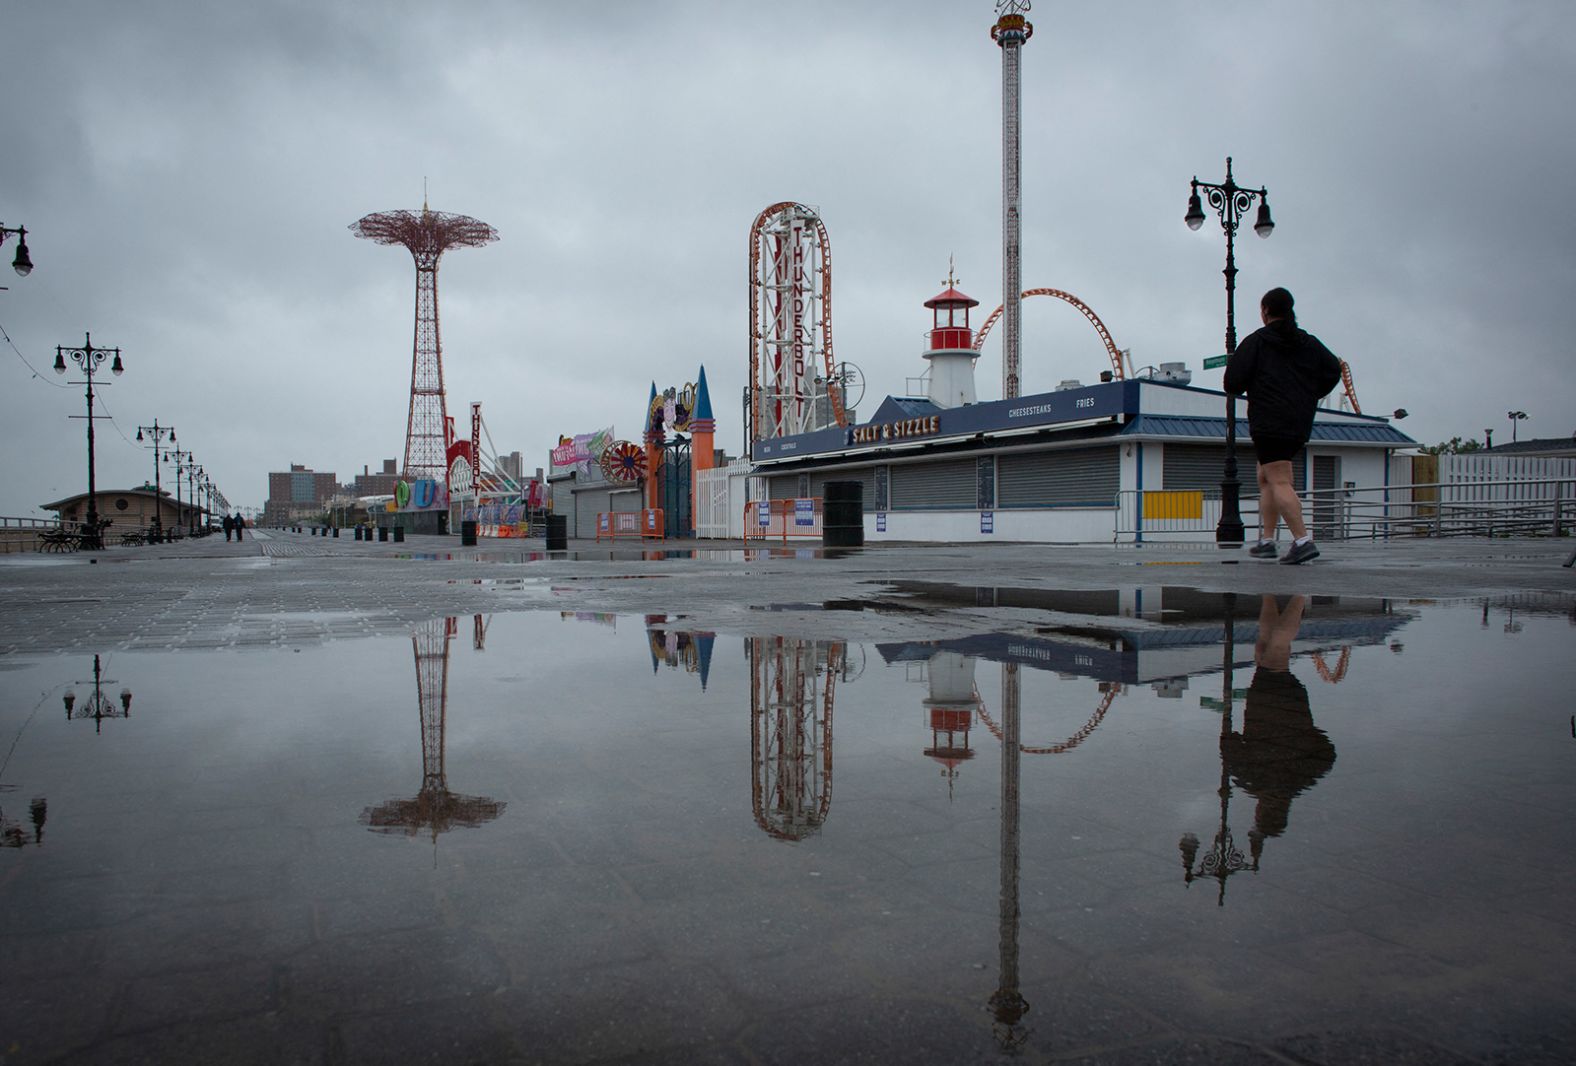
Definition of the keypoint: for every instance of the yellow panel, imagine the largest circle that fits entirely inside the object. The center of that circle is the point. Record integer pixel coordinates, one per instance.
(1173, 503)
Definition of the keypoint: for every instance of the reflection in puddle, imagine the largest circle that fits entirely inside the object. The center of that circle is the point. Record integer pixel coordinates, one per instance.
(793, 686)
(679, 842)
(1278, 754)
(434, 808)
(95, 704)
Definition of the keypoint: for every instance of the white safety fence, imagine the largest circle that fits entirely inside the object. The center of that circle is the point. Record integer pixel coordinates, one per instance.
(1461, 507)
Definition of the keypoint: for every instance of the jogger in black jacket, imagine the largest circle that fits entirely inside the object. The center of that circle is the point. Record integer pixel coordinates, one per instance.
(1284, 371)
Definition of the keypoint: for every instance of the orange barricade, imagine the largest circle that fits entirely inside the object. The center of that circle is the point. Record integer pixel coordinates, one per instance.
(768, 519)
(647, 524)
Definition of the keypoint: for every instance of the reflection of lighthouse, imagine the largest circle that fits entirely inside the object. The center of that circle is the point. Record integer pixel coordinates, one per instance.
(434, 808)
(950, 708)
(792, 684)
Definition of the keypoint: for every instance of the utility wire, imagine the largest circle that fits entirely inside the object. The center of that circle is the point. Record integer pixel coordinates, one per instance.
(30, 366)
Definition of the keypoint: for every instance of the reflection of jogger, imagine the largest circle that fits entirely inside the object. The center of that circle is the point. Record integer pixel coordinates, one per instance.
(1279, 753)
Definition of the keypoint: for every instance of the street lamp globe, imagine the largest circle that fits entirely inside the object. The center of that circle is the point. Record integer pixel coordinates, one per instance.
(60, 363)
(1195, 211)
(23, 263)
(1264, 225)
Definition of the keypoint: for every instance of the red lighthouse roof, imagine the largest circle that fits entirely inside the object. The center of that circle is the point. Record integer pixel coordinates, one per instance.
(951, 297)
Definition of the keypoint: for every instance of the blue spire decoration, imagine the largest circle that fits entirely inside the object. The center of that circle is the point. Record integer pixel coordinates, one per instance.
(702, 399)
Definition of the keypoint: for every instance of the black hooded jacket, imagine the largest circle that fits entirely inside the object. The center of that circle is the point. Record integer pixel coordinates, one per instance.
(1285, 371)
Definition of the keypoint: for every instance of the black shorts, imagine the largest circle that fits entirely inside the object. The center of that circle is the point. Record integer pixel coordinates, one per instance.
(1271, 449)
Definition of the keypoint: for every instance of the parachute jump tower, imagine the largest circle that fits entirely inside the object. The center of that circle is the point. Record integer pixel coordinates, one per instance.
(1011, 32)
(427, 236)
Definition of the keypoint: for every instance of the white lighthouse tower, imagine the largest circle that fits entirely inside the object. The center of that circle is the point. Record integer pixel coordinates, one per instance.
(951, 351)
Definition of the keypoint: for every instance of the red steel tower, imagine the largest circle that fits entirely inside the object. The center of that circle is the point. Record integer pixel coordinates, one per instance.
(427, 235)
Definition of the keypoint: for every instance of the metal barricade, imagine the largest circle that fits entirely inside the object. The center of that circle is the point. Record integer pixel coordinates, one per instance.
(781, 519)
(648, 524)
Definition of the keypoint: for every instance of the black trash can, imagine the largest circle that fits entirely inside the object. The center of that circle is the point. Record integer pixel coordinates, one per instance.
(336, 531)
(468, 532)
(843, 514)
(358, 532)
(557, 532)
(383, 533)
(399, 534)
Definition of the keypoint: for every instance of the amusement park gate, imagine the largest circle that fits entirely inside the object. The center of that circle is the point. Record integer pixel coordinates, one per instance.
(674, 488)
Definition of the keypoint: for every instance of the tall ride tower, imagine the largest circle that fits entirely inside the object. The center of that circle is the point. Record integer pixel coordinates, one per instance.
(1011, 32)
(427, 235)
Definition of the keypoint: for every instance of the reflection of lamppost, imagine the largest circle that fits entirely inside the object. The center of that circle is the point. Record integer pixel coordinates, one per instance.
(23, 263)
(97, 706)
(1224, 858)
(1514, 416)
(88, 358)
(158, 433)
(1230, 202)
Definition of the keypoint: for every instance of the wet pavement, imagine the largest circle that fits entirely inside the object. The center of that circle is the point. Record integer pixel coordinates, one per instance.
(307, 800)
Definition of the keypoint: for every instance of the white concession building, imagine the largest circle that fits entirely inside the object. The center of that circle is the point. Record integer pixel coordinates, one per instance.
(1123, 460)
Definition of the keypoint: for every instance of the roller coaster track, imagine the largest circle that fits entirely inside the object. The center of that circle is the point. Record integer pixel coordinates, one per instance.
(1084, 309)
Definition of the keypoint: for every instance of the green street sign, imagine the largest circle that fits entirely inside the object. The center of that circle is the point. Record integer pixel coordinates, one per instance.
(1214, 362)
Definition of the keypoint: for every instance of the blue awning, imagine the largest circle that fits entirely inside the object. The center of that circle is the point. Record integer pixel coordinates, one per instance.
(1191, 427)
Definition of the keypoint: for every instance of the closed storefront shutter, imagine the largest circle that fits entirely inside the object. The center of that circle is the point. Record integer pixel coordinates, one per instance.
(587, 506)
(865, 478)
(1082, 477)
(926, 486)
(1201, 466)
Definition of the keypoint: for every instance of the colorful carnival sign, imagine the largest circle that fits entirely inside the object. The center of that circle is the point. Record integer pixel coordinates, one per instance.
(422, 495)
(581, 450)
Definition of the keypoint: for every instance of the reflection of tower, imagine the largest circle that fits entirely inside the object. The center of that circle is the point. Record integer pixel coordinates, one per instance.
(950, 706)
(427, 236)
(690, 650)
(792, 684)
(434, 808)
(1007, 1002)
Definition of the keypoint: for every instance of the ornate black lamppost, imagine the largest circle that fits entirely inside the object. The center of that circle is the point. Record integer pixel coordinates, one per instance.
(23, 263)
(193, 473)
(1231, 202)
(158, 433)
(88, 358)
(181, 460)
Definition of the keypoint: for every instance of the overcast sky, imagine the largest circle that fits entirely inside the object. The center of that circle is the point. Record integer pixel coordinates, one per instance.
(187, 173)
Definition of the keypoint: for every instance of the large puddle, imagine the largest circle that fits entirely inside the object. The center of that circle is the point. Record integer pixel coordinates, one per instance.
(1201, 829)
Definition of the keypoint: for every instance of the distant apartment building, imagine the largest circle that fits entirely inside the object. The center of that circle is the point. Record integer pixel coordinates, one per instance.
(297, 493)
(379, 484)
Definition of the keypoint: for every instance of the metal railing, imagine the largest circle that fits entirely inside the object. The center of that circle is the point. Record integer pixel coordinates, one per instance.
(1490, 507)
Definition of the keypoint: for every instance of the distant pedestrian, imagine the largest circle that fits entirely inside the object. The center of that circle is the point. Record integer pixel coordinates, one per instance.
(240, 525)
(1285, 371)
(229, 524)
